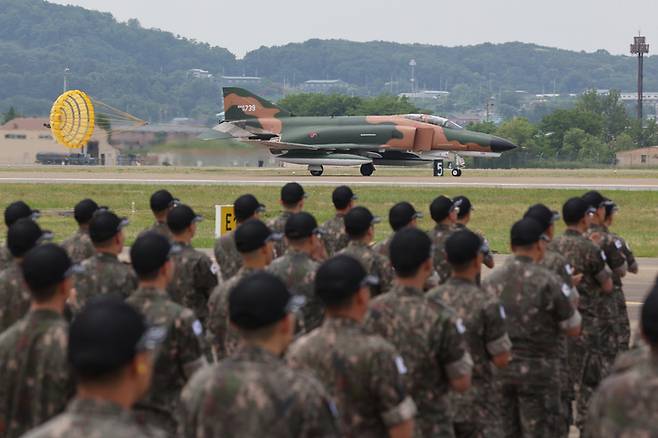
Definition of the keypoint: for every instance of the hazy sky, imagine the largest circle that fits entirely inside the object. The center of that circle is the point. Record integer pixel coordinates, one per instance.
(243, 25)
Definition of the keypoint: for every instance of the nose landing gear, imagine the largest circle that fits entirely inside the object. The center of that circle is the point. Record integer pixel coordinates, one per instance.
(316, 169)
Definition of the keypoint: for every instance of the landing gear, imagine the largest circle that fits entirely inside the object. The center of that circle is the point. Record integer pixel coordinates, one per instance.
(367, 169)
(316, 169)
(456, 171)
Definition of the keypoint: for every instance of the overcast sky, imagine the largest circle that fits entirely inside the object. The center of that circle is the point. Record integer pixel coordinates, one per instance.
(242, 25)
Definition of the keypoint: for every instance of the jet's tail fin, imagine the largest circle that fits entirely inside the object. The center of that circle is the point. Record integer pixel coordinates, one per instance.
(240, 104)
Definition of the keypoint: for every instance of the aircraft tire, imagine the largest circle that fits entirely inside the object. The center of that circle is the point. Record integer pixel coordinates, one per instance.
(456, 172)
(316, 172)
(367, 169)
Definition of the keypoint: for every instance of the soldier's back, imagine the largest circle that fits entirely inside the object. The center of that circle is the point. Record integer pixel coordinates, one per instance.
(439, 234)
(278, 225)
(625, 404)
(36, 383)
(87, 418)
(79, 247)
(14, 296)
(227, 256)
(178, 357)
(104, 274)
(362, 371)
(254, 394)
(373, 262)
(195, 277)
(333, 234)
(297, 270)
(429, 338)
(5, 257)
(160, 228)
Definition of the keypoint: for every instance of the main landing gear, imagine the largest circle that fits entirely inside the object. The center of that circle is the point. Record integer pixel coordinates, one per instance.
(439, 170)
(316, 169)
(367, 169)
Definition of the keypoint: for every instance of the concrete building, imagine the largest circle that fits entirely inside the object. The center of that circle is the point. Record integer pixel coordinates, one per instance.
(643, 157)
(23, 138)
(324, 85)
(241, 80)
(198, 73)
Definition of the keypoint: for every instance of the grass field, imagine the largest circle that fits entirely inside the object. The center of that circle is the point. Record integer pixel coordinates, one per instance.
(495, 209)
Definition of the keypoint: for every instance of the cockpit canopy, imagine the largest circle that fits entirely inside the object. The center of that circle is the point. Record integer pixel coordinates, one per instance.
(433, 120)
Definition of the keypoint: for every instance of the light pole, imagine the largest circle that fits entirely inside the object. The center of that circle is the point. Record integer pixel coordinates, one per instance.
(412, 64)
(66, 74)
(639, 48)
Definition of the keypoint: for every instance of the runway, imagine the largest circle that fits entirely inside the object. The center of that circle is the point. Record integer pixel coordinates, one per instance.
(253, 177)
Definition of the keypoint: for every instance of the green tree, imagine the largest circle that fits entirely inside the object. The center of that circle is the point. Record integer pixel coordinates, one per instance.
(485, 127)
(555, 125)
(10, 115)
(610, 108)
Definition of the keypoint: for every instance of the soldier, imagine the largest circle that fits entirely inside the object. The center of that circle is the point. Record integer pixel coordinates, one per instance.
(623, 324)
(297, 267)
(425, 332)
(255, 243)
(104, 273)
(253, 393)
(161, 203)
(559, 265)
(538, 309)
(484, 317)
(226, 254)
(36, 383)
(463, 218)
(625, 403)
(292, 201)
(195, 275)
(15, 211)
(363, 371)
(180, 354)
(79, 246)
(333, 231)
(401, 215)
(111, 353)
(15, 298)
(360, 227)
(444, 213)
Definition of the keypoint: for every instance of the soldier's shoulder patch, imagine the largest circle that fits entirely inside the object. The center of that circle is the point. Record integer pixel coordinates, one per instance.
(214, 268)
(197, 328)
(603, 256)
(461, 328)
(619, 244)
(569, 269)
(501, 310)
(566, 290)
(399, 363)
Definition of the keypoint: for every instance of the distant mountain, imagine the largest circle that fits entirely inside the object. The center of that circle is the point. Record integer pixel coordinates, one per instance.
(144, 71)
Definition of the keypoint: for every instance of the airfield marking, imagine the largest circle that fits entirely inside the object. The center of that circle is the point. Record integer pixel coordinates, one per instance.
(331, 182)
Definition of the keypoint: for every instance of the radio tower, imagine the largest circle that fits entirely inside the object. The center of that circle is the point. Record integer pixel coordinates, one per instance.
(640, 48)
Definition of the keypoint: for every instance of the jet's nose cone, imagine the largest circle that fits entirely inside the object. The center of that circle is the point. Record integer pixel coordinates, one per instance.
(501, 145)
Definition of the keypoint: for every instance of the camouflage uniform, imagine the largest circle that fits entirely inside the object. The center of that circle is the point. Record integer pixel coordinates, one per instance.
(430, 339)
(36, 381)
(585, 352)
(93, 418)
(223, 338)
(14, 296)
(79, 246)
(538, 310)
(254, 394)
(179, 356)
(486, 336)
(278, 225)
(297, 270)
(195, 276)
(559, 265)
(104, 274)
(625, 405)
(374, 264)
(363, 372)
(333, 234)
(5, 257)
(623, 324)
(439, 235)
(160, 228)
(383, 247)
(227, 255)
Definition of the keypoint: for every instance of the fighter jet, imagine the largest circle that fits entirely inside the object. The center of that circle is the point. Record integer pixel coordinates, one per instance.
(365, 141)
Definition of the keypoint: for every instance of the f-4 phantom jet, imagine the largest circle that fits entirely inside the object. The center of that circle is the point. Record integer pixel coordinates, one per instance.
(365, 141)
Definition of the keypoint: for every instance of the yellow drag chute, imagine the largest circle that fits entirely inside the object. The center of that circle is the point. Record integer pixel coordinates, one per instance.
(75, 115)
